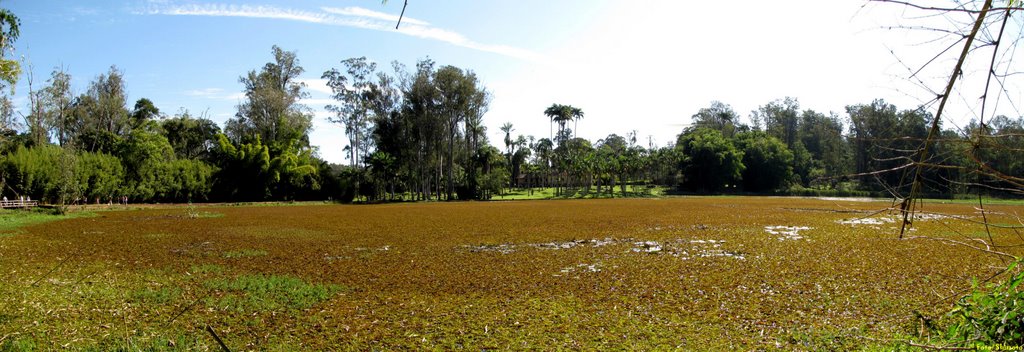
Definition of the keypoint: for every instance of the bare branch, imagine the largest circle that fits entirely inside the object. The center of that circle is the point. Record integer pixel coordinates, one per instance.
(934, 131)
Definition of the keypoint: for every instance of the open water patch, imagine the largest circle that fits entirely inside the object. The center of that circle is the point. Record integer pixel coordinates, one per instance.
(507, 248)
(877, 222)
(784, 233)
(687, 249)
(681, 248)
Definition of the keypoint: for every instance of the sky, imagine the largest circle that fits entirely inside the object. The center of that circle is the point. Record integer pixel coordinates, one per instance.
(644, 66)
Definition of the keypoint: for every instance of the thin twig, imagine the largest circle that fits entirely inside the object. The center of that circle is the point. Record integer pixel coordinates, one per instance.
(402, 14)
(224, 347)
(934, 131)
(55, 267)
(986, 250)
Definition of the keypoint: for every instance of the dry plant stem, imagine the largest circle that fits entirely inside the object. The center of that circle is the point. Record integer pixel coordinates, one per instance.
(55, 267)
(912, 343)
(992, 65)
(401, 14)
(965, 244)
(941, 348)
(224, 347)
(984, 218)
(946, 9)
(934, 131)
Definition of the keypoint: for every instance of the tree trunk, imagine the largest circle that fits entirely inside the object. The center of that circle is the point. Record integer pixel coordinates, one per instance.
(451, 159)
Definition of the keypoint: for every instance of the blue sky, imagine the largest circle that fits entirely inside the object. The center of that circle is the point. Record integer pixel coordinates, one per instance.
(645, 66)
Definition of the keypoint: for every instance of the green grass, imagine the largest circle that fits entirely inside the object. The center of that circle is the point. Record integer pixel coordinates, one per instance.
(205, 215)
(161, 295)
(207, 269)
(842, 288)
(245, 253)
(11, 221)
(193, 342)
(549, 193)
(985, 200)
(257, 293)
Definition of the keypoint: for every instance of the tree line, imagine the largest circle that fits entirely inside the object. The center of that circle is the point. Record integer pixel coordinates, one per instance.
(418, 134)
(783, 149)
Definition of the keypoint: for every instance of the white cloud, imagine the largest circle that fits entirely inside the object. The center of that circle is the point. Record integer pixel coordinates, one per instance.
(346, 17)
(239, 11)
(317, 103)
(361, 12)
(214, 93)
(235, 96)
(209, 93)
(317, 85)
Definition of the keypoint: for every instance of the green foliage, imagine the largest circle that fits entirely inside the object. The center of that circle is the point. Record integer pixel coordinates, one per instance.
(271, 109)
(162, 295)
(293, 171)
(243, 253)
(257, 293)
(99, 118)
(153, 173)
(993, 314)
(719, 116)
(781, 119)
(19, 344)
(10, 30)
(34, 172)
(561, 114)
(710, 161)
(191, 138)
(354, 90)
(880, 133)
(143, 113)
(11, 221)
(767, 162)
(100, 176)
(244, 169)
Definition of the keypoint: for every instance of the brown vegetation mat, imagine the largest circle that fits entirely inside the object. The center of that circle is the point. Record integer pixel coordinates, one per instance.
(591, 274)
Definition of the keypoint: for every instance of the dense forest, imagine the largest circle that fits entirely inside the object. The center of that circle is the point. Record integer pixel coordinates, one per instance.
(419, 134)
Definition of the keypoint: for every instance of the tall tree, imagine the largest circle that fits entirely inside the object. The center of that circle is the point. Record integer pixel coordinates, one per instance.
(718, 116)
(710, 162)
(191, 137)
(577, 115)
(427, 131)
(110, 113)
(60, 103)
(766, 160)
(781, 119)
(143, 113)
(10, 30)
(36, 120)
(822, 136)
(459, 97)
(271, 109)
(354, 90)
(561, 114)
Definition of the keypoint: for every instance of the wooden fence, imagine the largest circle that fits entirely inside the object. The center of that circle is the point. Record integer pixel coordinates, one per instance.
(17, 203)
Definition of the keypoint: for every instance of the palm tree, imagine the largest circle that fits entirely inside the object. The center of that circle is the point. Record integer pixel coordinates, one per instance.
(554, 113)
(561, 114)
(507, 128)
(576, 114)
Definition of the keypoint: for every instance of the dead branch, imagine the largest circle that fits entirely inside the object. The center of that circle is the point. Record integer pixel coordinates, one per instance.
(965, 244)
(934, 131)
